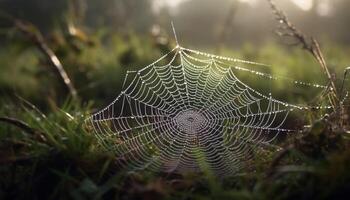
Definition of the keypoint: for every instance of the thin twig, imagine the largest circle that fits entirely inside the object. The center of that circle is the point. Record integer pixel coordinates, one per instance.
(310, 44)
(346, 71)
(32, 33)
(31, 106)
(18, 123)
(24, 126)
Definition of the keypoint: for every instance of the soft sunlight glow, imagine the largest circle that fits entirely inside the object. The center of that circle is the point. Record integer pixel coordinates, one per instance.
(169, 3)
(251, 2)
(304, 4)
(324, 8)
(172, 4)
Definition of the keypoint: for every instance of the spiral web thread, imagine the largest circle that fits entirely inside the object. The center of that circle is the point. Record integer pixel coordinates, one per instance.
(191, 113)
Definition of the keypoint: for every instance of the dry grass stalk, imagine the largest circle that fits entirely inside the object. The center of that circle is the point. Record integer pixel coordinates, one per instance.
(310, 44)
(34, 35)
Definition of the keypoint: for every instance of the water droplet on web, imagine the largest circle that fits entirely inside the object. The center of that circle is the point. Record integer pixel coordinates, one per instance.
(215, 98)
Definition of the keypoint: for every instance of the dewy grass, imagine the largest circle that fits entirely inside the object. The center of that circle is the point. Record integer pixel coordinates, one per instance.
(59, 151)
(63, 160)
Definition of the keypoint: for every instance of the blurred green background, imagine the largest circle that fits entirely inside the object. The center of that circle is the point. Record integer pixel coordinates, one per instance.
(98, 41)
(47, 152)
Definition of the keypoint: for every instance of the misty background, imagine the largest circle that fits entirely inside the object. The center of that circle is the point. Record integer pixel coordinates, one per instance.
(197, 22)
(98, 41)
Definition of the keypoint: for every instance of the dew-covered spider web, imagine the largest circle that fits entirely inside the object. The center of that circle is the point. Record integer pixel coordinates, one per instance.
(188, 111)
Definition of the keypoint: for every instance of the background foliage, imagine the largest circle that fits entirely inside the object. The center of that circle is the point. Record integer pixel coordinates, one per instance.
(98, 41)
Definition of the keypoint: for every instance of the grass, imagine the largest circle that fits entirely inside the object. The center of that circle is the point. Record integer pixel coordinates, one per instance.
(56, 157)
(61, 160)
(98, 70)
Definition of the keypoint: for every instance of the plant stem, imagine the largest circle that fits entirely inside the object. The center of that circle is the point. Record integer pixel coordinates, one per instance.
(35, 35)
(310, 44)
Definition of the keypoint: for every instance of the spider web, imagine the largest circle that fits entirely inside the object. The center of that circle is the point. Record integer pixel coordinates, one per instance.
(188, 111)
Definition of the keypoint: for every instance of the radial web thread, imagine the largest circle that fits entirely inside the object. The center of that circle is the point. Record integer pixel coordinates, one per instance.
(188, 110)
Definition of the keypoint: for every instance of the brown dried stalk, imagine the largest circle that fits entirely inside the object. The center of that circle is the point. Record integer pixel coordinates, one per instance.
(346, 72)
(34, 35)
(25, 127)
(310, 44)
(20, 124)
